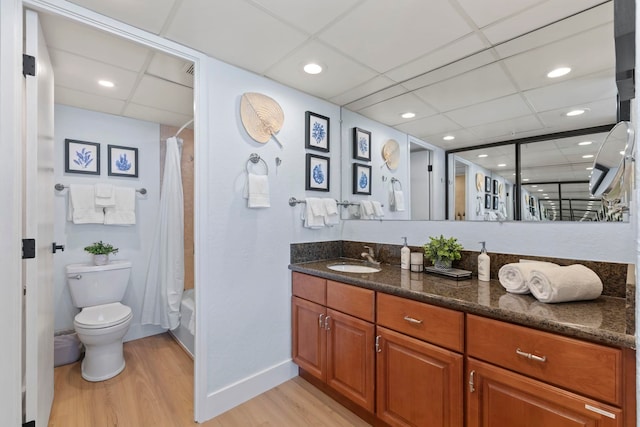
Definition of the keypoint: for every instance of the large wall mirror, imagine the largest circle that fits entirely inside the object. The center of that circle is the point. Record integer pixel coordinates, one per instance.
(501, 94)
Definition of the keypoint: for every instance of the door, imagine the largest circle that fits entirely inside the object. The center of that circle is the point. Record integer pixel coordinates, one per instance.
(420, 181)
(309, 345)
(38, 224)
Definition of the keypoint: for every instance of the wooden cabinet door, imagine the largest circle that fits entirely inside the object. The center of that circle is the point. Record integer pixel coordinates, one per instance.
(351, 358)
(497, 398)
(418, 384)
(309, 337)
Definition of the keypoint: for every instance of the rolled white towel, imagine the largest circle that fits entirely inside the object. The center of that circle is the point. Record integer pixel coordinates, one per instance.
(561, 284)
(514, 276)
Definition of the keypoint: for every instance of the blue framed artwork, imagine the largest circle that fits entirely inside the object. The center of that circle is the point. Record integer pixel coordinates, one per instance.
(316, 132)
(361, 179)
(123, 161)
(317, 173)
(361, 144)
(81, 157)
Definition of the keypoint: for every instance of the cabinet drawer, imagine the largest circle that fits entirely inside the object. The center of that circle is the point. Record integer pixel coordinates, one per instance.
(436, 325)
(589, 369)
(309, 287)
(352, 300)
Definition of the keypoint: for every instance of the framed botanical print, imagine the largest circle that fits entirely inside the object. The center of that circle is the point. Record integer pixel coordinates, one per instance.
(123, 161)
(317, 173)
(316, 132)
(361, 179)
(361, 144)
(81, 157)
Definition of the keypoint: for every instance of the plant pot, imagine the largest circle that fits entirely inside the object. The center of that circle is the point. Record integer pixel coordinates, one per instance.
(100, 259)
(443, 264)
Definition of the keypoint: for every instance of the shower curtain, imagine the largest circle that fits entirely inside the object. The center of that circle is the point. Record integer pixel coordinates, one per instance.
(165, 273)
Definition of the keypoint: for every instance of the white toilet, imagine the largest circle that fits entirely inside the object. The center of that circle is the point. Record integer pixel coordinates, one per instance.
(103, 321)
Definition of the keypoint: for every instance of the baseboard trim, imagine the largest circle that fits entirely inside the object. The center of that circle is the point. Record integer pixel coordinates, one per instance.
(233, 395)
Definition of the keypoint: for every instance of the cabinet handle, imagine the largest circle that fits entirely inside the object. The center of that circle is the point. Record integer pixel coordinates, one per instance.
(530, 356)
(472, 387)
(326, 323)
(412, 320)
(378, 349)
(321, 321)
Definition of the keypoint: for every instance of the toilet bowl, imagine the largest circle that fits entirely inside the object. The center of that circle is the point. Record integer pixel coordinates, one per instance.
(103, 321)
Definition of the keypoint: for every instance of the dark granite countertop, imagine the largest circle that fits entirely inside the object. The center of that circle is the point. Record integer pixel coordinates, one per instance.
(602, 320)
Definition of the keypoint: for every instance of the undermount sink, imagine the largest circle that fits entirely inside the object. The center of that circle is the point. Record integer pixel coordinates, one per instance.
(353, 268)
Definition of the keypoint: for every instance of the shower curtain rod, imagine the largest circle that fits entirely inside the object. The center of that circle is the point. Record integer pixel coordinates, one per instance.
(183, 127)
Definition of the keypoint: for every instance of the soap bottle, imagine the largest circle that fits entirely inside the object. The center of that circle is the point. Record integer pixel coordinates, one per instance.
(484, 265)
(405, 256)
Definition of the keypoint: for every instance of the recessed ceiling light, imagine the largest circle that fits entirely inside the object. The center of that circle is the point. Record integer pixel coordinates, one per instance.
(622, 153)
(525, 179)
(590, 168)
(312, 68)
(408, 115)
(573, 113)
(482, 156)
(106, 83)
(558, 72)
(546, 197)
(534, 186)
(540, 189)
(501, 165)
(585, 143)
(587, 156)
(449, 138)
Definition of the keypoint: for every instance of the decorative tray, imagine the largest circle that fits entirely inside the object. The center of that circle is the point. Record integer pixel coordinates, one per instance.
(452, 273)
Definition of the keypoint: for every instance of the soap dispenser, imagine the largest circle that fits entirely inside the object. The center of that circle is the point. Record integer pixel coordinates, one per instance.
(484, 265)
(405, 256)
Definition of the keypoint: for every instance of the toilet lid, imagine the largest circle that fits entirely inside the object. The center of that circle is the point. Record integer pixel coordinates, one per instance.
(103, 316)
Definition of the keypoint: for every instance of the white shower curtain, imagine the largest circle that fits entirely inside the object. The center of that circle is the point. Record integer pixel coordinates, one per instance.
(165, 274)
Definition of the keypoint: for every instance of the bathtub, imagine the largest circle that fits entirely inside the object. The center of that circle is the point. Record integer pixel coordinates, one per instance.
(182, 334)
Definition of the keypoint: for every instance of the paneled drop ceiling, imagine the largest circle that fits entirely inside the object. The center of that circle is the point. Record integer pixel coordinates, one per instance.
(472, 69)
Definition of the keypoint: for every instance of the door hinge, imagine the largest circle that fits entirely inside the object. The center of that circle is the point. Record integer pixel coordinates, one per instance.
(29, 424)
(28, 65)
(430, 168)
(28, 248)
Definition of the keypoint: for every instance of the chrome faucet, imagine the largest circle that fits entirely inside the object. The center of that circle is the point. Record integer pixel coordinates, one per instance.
(370, 256)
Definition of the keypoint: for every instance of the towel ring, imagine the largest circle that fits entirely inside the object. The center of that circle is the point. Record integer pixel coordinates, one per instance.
(395, 180)
(255, 158)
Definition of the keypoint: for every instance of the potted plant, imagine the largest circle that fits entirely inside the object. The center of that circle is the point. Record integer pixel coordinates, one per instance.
(100, 252)
(442, 251)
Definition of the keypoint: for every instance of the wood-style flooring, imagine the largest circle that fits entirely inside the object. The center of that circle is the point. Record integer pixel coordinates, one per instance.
(156, 389)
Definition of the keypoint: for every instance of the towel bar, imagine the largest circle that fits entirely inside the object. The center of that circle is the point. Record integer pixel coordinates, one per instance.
(293, 201)
(60, 187)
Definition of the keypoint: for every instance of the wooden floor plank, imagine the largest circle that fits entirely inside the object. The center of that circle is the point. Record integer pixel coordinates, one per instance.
(156, 389)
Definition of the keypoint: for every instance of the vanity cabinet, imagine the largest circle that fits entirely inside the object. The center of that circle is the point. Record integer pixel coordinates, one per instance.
(418, 382)
(333, 336)
(556, 381)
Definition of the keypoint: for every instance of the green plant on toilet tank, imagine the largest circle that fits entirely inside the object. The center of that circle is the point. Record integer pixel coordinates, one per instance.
(101, 252)
(442, 251)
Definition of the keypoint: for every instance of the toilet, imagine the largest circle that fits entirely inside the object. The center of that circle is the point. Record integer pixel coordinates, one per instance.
(103, 321)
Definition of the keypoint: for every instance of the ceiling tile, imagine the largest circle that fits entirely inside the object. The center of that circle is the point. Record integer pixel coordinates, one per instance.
(512, 128)
(310, 15)
(429, 126)
(158, 93)
(600, 113)
(535, 17)
(339, 75)
(488, 11)
(82, 40)
(376, 97)
(82, 74)
(371, 33)
(388, 112)
(240, 34)
(150, 15)
(479, 85)
(496, 110)
(171, 68)
(143, 112)
(353, 94)
(88, 101)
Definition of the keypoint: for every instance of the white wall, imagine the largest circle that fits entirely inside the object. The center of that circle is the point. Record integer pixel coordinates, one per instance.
(133, 241)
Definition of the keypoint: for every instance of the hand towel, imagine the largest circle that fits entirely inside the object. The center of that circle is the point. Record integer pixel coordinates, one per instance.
(398, 200)
(124, 211)
(317, 206)
(514, 277)
(82, 208)
(366, 209)
(105, 196)
(257, 191)
(310, 220)
(331, 209)
(377, 209)
(561, 284)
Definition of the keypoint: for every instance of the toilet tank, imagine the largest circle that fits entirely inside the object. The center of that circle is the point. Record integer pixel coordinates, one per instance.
(98, 284)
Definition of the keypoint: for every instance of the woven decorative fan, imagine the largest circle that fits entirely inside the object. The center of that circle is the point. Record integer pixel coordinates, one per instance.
(261, 116)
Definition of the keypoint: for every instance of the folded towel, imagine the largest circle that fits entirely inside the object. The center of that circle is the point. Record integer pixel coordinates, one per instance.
(377, 209)
(560, 284)
(105, 195)
(317, 206)
(257, 191)
(124, 211)
(331, 209)
(398, 200)
(366, 209)
(513, 277)
(82, 208)
(310, 220)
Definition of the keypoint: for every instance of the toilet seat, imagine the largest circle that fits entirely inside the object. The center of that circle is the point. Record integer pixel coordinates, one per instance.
(103, 316)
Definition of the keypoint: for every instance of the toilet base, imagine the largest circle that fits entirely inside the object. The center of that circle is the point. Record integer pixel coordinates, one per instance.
(104, 377)
(102, 361)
